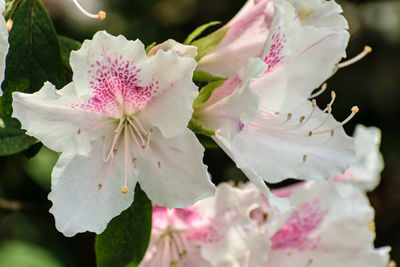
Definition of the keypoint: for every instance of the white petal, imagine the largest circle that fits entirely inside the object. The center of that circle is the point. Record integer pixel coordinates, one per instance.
(245, 38)
(171, 109)
(301, 56)
(275, 150)
(49, 116)
(86, 191)
(329, 227)
(365, 171)
(173, 174)
(233, 104)
(3, 43)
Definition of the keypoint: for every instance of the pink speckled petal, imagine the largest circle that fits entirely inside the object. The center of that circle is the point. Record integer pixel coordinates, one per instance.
(246, 38)
(172, 174)
(300, 55)
(172, 109)
(330, 226)
(3, 43)
(86, 191)
(48, 116)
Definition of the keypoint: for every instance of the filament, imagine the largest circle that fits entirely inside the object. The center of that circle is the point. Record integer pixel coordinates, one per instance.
(320, 91)
(366, 51)
(100, 15)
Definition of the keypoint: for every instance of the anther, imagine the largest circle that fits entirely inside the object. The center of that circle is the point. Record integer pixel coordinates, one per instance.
(332, 132)
(304, 158)
(314, 102)
(159, 164)
(310, 133)
(100, 186)
(302, 119)
(124, 189)
(320, 91)
(79, 131)
(100, 15)
(104, 138)
(133, 160)
(366, 51)
(9, 24)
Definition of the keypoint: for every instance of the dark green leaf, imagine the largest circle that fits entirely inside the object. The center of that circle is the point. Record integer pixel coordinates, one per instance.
(202, 76)
(67, 45)
(34, 55)
(198, 128)
(199, 30)
(206, 141)
(205, 93)
(127, 236)
(208, 43)
(13, 139)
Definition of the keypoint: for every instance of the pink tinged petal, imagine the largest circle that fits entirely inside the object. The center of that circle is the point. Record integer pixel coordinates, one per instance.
(86, 191)
(172, 173)
(246, 38)
(233, 104)
(180, 49)
(112, 71)
(329, 226)
(48, 116)
(365, 171)
(237, 240)
(301, 56)
(172, 109)
(3, 43)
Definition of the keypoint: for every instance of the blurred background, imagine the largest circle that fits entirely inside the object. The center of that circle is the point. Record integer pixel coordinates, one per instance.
(27, 233)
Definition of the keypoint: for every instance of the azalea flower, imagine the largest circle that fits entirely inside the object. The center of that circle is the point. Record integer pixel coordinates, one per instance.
(332, 224)
(3, 43)
(217, 231)
(122, 120)
(365, 171)
(288, 135)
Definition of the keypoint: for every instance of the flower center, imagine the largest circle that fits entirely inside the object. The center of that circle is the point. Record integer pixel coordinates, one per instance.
(171, 248)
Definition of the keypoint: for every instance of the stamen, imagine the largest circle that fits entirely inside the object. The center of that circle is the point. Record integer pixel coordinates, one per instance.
(333, 97)
(366, 51)
(9, 24)
(354, 110)
(124, 189)
(320, 91)
(137, 131)
(117, 132)
(136, 141)
(100, 15)
(79, 131)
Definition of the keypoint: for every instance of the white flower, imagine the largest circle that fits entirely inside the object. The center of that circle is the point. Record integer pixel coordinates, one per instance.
(365, 171)
(3, 43)
(217, 231)
(331, 225)
(121, 121)
(288, 135)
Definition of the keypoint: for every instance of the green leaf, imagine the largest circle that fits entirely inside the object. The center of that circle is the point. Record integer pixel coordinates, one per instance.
(24, 254)
(12, 138)
(127, 236)
(206, 141)
(150, 46)
(199, 30)
(208, 43)
(198, 128)
(34, 55)
(67, 45)
(202, 76)
(205, 93)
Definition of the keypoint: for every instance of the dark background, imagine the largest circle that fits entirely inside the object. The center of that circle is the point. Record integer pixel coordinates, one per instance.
(372, 84)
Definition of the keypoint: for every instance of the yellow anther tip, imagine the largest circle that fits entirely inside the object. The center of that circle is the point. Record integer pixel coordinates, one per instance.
(355, 109)
(367, 49)
(101, 15)
(124, 189)
(9, 24)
